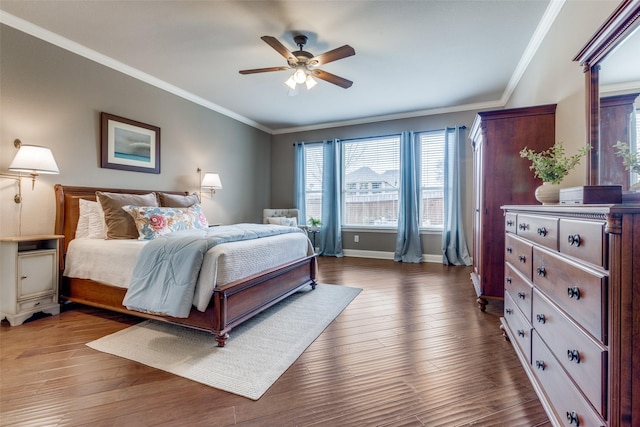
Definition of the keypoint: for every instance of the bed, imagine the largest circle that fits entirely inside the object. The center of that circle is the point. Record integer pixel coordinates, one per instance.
(230, 303)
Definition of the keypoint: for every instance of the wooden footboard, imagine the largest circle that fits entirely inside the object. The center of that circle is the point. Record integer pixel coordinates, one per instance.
(230, 305)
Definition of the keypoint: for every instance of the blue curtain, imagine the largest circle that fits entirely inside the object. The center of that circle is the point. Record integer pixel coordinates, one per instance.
(330, 231)
(454, 244)
(408, 242)
(300, 183)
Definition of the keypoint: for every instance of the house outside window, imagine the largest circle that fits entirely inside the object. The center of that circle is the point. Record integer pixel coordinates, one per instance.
(432, 179)
(371, 181)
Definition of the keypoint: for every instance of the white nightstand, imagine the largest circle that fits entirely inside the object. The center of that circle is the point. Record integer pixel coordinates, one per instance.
(29, 278)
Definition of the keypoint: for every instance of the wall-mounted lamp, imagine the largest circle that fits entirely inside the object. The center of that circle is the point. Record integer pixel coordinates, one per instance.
(211, 181)
(31, 159)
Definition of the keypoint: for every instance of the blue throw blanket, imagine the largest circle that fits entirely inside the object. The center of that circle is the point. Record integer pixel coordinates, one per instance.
(165, 276)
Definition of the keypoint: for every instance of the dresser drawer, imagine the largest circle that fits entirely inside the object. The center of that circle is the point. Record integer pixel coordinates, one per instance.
(518, 325)
(510, 222)
(518, 253)
(583, 239)
(539, 229)
(564, 397)
(582, 357)
(519, 289)
(579, 291)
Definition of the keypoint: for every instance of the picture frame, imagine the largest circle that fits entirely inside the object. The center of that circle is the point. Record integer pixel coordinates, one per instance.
(129, 145)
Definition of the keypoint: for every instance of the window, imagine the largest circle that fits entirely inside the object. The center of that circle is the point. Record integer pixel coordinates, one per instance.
(313, 180)
(432, 178)
(371, 181)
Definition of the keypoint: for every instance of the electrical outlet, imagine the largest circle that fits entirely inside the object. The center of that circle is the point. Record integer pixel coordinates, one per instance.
(356, 238)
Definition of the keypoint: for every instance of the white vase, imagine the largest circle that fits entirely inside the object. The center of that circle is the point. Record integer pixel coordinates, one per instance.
(548, 193)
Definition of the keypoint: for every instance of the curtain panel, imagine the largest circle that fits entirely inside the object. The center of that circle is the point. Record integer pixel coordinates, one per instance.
(409, 242)
(454, 244)
(330, 231)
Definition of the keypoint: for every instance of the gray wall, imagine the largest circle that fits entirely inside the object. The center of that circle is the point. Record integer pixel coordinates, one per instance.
(51, 97)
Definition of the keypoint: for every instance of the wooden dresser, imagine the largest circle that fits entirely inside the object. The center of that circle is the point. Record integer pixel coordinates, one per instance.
(572, 309)
(502, 177)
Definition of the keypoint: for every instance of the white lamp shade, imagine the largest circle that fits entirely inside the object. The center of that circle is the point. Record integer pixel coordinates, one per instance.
(211, 180)
(35, 160)
(290, 82)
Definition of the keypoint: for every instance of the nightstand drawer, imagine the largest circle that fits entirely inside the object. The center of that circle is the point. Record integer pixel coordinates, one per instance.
(33, 304)
(566, 399)
(519, 327)
(583, 358)
(541, 230)
(519, 289)
(579, 291)
(519, 254)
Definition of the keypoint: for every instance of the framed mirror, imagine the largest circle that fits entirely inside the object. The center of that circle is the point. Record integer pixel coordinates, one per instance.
(612, 81)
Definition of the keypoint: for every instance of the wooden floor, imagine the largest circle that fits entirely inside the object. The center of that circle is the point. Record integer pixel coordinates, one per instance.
(411, 350)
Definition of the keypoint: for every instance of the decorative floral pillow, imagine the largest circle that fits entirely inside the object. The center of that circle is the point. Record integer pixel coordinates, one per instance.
(154, 221)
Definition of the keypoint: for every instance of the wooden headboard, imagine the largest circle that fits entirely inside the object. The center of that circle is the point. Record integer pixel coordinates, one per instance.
(68, 208)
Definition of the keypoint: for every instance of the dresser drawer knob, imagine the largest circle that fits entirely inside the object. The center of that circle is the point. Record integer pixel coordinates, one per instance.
(522, 226)
(520, 332)
(541, 271)
(541, 318)
(509, 311)
(572, 417)
(509, 250)
(540, 365)
(508, 280)
(521, 295)
(542, 231)
(510, 222)
(522, 258)
(574, 239)
(573, 356)
(23, 277)
(573, 292)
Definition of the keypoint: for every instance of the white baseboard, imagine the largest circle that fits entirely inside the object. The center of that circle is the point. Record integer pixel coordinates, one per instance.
(386, 255)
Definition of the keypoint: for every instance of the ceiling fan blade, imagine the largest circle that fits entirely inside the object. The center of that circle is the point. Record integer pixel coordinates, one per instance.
(332, 78)
(279, 47)
(263, 70)
(333, 55)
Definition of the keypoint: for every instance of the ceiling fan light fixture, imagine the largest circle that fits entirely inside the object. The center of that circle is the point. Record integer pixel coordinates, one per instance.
(299, 76)
(291, 82)
(310, 82)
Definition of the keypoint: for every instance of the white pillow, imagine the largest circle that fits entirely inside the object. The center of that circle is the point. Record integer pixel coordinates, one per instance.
(92, 218)
(82, 229)
(281, 220)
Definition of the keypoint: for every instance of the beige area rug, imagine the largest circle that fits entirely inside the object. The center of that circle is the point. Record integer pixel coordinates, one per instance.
(257, 353)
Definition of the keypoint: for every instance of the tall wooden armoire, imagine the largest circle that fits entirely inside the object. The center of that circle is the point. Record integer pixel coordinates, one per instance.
(502, 177)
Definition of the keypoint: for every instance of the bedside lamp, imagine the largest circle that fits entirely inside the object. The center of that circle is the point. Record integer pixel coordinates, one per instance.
(212, 182)
(31, 159)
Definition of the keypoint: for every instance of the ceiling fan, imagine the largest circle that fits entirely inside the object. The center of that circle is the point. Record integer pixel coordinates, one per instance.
(304, 63)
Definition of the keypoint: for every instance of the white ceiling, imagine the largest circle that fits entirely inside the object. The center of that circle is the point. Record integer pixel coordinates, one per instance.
(412, 57)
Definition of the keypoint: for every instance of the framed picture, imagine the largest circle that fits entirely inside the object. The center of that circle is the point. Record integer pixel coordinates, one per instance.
(129, 145)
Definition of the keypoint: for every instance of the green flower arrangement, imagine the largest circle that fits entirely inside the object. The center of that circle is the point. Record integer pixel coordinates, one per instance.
(315, 222)
(630, 160)
(552, 165)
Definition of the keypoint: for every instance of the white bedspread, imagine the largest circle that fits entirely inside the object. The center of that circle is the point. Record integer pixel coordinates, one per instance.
(112, 261)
